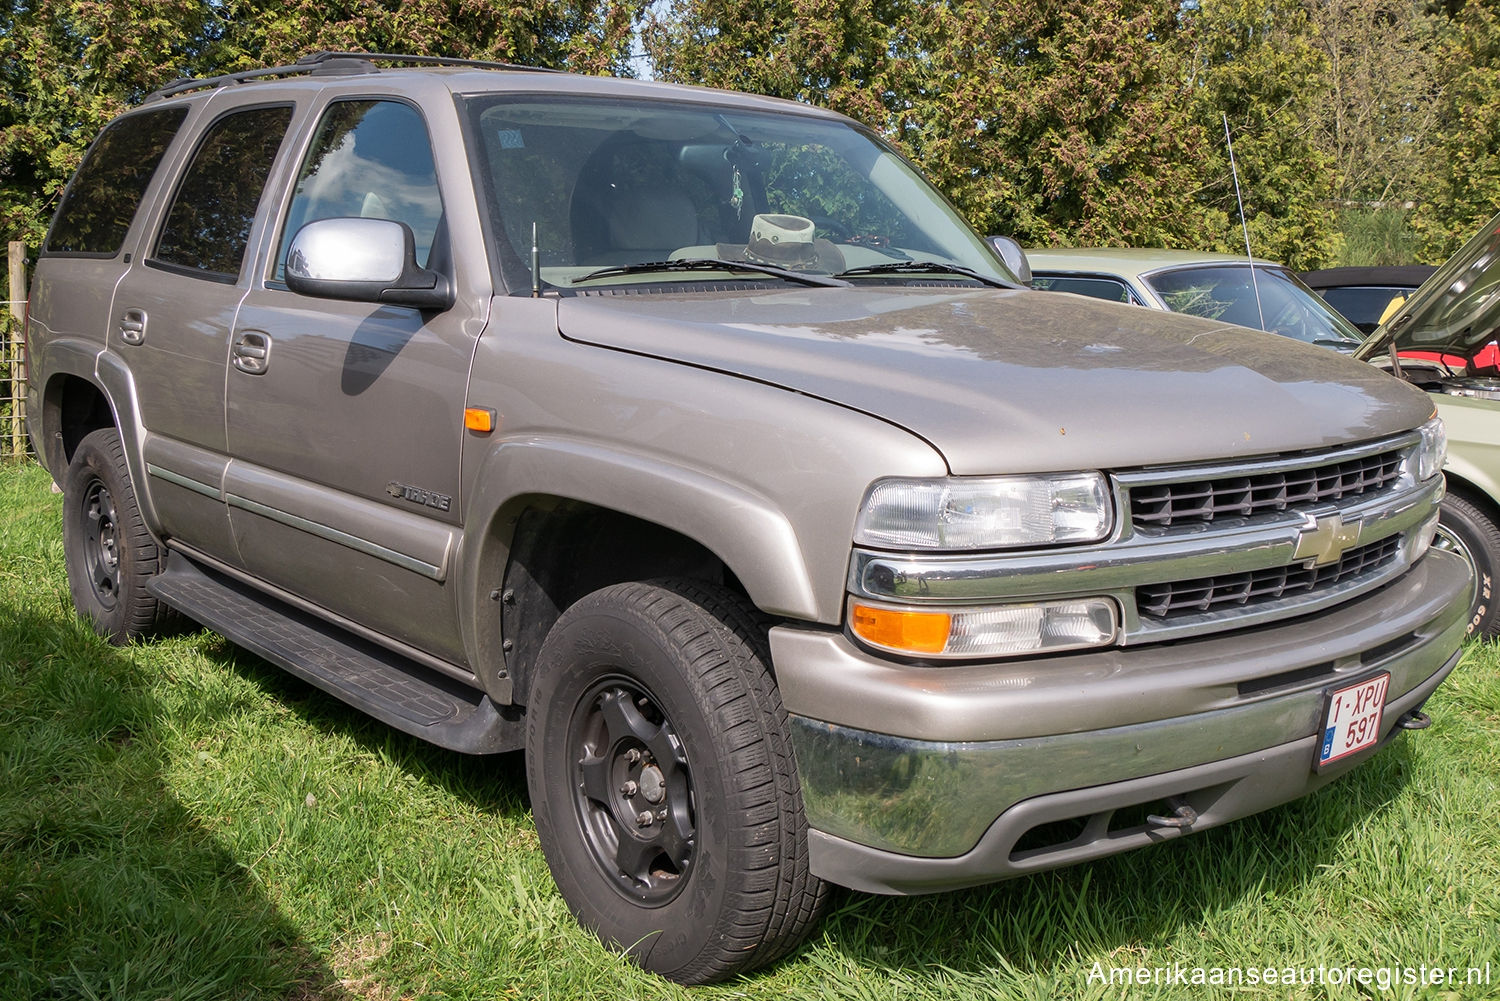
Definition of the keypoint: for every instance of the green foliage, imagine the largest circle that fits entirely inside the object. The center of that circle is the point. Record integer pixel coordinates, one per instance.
(1465, 186)
(1376, 237)
(68, 66)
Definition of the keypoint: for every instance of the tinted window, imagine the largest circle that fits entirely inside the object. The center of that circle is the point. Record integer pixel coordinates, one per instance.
(208, 226)
(370, 160)
(1363, 305)
(104, 194)
(1095, 288)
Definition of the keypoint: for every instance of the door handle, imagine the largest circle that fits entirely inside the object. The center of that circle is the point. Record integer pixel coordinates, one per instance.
(252, 352)
(133, 326)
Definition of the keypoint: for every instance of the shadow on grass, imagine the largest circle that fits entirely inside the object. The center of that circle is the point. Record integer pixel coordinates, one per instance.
(1035, 925)
(495, 783)
(109, 887)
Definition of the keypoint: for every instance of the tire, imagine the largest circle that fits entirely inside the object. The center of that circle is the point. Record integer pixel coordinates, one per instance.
(1465, 528)
(654, 700)
(110, 553)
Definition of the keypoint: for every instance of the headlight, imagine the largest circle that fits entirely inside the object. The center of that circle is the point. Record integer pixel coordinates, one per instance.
(984, 512)
(985, 630)
(1433, 450)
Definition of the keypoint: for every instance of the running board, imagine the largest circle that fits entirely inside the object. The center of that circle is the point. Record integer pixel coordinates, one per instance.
(394, 689)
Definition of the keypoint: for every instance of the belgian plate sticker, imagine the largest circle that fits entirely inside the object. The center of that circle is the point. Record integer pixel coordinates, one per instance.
(1351, 719)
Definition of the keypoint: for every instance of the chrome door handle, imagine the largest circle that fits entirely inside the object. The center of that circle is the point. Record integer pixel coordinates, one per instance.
(133, 326)
(252, 352)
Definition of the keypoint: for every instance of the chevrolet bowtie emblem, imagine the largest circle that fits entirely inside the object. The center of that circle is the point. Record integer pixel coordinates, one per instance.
(1323, 540)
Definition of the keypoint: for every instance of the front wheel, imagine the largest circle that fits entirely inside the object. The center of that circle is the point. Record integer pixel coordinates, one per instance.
(663, 783)
(1466, 529)
(109, 552)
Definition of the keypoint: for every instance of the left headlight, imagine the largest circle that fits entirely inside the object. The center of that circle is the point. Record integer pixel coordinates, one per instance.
(984, 512)
(1433, 450)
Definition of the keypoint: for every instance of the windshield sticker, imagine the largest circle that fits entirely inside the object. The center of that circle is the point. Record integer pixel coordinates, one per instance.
(511, 139)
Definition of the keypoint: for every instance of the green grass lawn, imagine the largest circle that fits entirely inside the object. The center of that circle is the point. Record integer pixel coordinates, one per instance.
(180, 820)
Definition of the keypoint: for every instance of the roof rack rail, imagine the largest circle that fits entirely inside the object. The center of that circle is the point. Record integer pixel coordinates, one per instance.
(331, 64)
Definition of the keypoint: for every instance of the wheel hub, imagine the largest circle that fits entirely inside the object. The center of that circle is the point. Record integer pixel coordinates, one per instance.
(634, 792)
(101, 543)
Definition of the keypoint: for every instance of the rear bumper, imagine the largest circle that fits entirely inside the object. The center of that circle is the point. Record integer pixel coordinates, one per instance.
(926, 778)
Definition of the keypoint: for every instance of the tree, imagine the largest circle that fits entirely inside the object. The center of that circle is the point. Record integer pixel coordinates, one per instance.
(1255, 62)
(1465, 178)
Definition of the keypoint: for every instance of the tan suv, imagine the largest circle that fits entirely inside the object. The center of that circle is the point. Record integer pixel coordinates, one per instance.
(691, 441)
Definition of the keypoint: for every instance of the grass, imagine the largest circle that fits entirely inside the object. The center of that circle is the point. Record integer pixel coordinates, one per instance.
(180, 820)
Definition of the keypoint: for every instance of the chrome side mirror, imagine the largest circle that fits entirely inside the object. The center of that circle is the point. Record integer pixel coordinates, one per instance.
(1013, 257)
(363, 260)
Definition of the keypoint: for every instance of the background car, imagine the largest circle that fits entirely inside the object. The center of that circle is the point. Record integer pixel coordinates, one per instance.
(1445, 336)
(1362, 295)
(1213, 286)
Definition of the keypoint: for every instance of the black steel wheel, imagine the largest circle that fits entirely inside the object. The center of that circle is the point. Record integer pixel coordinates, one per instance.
(663, 783)
(110, 554)
(1466, 529)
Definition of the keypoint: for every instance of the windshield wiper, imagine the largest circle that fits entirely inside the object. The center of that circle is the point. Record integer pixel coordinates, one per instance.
(713, 264)
(922, 268)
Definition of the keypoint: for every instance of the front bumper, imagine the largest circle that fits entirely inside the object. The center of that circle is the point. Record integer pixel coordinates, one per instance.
(927, 778)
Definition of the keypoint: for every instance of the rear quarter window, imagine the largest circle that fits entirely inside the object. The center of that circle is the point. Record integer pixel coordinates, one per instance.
(104, 194)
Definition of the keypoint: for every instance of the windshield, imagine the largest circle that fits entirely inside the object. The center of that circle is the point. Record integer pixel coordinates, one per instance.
(609, 184)
(1226, 293)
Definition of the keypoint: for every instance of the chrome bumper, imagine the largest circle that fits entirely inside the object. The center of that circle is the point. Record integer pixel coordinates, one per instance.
(922, 766)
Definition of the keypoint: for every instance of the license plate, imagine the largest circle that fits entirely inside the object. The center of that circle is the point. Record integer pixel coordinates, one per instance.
(1351, 719)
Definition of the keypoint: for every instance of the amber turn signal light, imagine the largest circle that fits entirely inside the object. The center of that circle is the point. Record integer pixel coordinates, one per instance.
(479, 419)
(901, 629)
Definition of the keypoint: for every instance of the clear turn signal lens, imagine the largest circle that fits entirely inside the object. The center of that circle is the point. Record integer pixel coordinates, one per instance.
(985, 630)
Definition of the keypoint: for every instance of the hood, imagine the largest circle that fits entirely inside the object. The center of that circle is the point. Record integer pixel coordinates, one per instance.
(1456, 312)
(1019, 381)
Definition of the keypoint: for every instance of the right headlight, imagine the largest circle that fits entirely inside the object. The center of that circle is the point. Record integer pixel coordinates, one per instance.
(1433, 449)
(984, 512)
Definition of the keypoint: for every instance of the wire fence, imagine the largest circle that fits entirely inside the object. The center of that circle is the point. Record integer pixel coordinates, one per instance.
(14, 443)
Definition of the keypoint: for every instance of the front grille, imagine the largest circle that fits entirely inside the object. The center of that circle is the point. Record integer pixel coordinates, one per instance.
(1163, 505)
(1237, 590)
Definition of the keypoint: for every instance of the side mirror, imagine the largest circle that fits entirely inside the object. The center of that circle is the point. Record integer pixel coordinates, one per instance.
(1013, 257)
(363, 260)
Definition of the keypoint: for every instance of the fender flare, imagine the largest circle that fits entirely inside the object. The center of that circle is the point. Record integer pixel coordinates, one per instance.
(742, 528)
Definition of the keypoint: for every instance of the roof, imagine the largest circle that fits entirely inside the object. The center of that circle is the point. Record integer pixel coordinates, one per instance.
(468, 76)
(1399, 276)
(1128, 261)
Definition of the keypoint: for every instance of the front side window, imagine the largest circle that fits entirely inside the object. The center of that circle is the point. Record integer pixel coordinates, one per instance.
(105, 193)
(208, 226)
(623, 183)
(1108, 289)
(369, 160)
(1271, 299)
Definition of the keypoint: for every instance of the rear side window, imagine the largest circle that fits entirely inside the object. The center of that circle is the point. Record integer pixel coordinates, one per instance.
(103, 196)
(208, 225)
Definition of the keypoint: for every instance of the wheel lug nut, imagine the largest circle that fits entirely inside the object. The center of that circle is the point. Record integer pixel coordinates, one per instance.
(644, 819)
(632, 756)
(629, 789)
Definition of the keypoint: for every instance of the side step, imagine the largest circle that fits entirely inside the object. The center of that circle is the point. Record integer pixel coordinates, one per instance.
(395, 690)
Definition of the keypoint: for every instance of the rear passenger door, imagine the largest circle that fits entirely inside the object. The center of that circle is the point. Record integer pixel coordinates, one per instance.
(346, 419)
(173, 312)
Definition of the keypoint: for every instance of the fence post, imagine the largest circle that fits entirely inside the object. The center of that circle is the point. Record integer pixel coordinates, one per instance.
(17, 255)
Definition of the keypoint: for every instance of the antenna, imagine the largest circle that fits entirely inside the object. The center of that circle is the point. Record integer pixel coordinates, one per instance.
(536, 265)
(1244, 228)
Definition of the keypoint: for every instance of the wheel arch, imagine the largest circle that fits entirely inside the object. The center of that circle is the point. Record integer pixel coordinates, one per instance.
(549, 522)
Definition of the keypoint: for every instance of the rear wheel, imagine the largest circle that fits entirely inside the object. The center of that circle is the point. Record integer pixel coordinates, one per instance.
(1465, 528)
(110, 553)
(663, 783)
